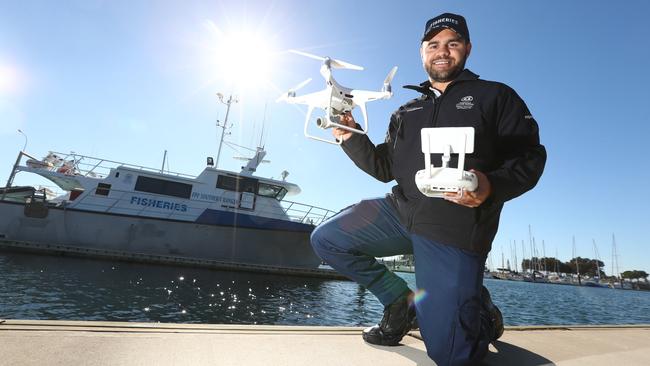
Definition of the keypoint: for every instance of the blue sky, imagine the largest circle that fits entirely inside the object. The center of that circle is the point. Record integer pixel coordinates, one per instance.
(126, 80)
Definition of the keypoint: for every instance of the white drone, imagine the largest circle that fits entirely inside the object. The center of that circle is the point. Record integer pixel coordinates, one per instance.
(436, 181)
(335, 99)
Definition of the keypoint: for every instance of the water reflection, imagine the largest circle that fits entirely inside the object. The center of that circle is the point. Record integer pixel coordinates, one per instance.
(42, 287)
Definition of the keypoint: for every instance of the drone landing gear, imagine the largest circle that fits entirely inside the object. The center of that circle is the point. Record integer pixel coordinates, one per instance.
(334, 121)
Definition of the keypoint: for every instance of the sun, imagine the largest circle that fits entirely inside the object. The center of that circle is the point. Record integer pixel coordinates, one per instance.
(244, 58)
(8, 80)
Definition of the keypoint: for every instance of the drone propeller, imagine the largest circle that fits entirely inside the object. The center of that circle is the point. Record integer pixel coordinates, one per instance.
(390, 76)
(292, 92)
(300, 86)
(333, 62)
(307, 55)
(389, 79)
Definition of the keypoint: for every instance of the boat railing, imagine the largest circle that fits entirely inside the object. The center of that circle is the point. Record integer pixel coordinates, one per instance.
(99, 167)
(306, 214)
(292, 211)
(89, 166)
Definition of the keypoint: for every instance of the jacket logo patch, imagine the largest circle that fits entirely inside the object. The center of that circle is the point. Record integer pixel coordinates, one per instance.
(465, 102)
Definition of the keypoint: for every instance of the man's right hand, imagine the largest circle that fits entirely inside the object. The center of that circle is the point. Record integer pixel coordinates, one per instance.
(347, 120)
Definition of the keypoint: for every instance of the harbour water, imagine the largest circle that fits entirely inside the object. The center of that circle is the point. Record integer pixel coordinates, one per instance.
(63, 288)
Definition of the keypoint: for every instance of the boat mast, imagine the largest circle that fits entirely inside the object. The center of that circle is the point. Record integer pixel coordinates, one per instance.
(576, 259)
(503, 265)
(25, 136)
(538, 265)
(523, 255)
(532, 252)
(231, 99)
(544, 255)
(615, 271)
(162, 170)
(597, 259)
(514, 245)
(490, 265)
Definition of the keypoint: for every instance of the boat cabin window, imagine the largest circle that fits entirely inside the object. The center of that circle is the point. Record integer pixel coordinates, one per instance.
(269, 190)
(103, 189)
(237, 184)
(165, 187)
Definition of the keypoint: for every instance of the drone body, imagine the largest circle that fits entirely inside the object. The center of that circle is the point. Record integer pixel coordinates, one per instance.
(336, 99)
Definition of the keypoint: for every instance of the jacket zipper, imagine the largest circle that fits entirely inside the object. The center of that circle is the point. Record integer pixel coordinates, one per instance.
(437, 103)
(436, 109)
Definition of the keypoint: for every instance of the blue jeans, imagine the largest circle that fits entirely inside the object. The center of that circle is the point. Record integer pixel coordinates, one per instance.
(448, 279)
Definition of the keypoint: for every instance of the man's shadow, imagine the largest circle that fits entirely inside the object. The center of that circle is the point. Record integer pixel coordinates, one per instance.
(509, 354)
(506, 354)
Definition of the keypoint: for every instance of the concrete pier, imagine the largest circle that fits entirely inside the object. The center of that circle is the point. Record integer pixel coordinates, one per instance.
(37, 342)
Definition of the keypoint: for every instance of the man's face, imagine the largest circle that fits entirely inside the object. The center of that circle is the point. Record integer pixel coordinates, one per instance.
(444, 55)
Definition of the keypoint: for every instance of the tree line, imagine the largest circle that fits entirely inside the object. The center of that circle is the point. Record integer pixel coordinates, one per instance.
(587, 267)
(550, 264)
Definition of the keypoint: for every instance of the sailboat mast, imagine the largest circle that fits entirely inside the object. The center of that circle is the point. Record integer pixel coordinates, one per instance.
(576, 259)
(597, 259)
(544, 254)
(537, 264)
(615, 259)
(514, 245)
(532, 252)
(503, 266)
(523, 254)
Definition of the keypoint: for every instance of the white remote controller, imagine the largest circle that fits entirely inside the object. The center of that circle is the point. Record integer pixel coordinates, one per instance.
(445, 180)
(436, 181)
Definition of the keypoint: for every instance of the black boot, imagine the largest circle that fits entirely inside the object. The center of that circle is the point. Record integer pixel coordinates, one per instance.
(493, 315)
(397, 321)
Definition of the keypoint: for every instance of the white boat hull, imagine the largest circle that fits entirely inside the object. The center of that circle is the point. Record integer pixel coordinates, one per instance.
(156, 236)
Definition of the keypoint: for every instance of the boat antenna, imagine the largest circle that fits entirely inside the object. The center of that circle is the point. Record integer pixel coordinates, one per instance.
(162, 169)
(228, 102)
(262, 143)
(25, 136)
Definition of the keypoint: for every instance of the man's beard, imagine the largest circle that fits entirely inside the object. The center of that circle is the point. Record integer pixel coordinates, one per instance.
(444, 76)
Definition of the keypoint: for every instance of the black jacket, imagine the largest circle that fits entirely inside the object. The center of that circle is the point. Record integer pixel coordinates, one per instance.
(506, 149)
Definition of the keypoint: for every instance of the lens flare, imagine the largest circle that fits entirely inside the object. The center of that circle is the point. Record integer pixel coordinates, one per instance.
(419, 296)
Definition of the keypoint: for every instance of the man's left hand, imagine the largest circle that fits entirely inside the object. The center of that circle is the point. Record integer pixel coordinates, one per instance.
(472, 198)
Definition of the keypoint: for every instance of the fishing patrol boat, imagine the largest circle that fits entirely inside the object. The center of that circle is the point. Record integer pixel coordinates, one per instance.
(219, 218)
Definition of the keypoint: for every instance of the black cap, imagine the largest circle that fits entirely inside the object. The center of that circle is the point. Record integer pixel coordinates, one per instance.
(447, 20)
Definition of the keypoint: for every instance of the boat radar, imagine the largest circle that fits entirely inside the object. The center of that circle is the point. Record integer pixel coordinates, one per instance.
(436, 181)
(253, 162)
